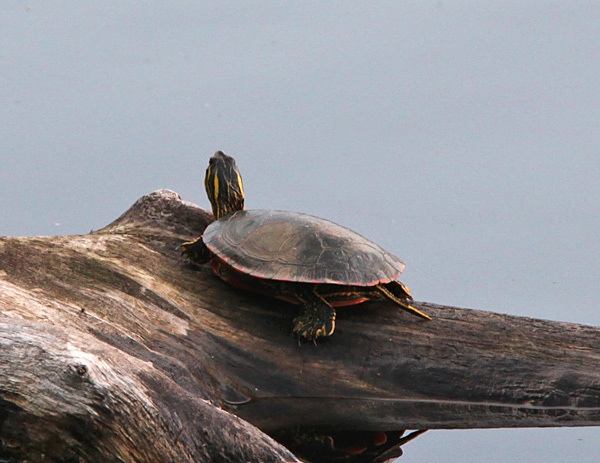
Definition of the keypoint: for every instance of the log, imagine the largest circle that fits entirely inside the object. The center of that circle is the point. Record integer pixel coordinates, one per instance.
(115, 348)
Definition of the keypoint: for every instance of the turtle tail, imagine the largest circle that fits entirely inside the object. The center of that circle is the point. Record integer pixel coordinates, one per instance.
(403, 294)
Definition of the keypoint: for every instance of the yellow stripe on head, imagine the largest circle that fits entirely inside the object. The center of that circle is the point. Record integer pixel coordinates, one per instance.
(239, 177)
(207, 186)
(216, 187)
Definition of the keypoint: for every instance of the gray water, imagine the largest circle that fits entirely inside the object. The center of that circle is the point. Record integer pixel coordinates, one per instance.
(462, 136)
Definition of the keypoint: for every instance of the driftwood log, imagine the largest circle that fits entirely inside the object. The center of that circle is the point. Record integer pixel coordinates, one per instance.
(114, 348)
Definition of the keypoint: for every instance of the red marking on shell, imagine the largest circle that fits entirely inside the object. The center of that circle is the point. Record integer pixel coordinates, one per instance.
(359, 300)
(379, 438)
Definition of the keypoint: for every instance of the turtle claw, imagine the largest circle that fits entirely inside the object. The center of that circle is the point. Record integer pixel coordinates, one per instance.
(311, 325)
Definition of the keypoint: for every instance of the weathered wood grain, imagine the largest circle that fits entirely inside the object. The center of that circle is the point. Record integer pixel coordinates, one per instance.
(114, 348)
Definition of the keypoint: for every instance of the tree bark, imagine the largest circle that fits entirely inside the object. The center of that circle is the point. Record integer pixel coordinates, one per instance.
(114, 348)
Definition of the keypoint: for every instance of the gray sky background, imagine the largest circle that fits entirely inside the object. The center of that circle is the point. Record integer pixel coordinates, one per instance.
(462, 136)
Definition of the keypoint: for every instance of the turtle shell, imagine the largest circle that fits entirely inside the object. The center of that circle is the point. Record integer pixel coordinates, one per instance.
(289, 246)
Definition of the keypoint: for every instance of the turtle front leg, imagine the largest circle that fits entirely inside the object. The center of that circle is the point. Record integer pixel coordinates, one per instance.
(318, 318)
(196, 251)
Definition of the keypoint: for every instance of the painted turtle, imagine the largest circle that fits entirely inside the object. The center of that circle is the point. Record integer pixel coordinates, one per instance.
(295, 257)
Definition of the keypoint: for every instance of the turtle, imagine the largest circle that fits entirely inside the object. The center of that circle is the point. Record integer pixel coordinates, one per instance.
(347, 446)
(295, 257)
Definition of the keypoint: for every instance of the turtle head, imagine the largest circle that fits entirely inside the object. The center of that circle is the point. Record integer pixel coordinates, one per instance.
(223, 184)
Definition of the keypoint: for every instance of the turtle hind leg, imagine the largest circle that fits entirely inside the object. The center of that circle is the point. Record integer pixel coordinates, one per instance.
(196, 251)
(318, 318)
(398, 293)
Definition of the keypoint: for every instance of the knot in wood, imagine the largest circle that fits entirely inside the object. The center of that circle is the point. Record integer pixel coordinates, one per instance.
(80, 369)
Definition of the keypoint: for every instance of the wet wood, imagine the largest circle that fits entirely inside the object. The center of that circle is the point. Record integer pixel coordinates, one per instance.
(114, 348)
